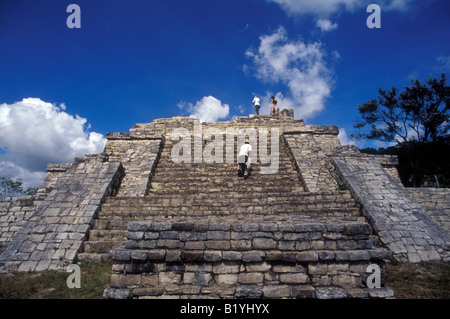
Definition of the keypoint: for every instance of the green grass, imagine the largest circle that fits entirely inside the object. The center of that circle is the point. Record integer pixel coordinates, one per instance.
(95, 278)
(429, 280)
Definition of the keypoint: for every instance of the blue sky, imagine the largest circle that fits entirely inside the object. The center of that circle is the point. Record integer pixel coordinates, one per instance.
(132, 61)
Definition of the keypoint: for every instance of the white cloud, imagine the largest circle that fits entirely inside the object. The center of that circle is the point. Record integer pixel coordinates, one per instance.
(396, 5)
(326, 25)
(208, 109)
(444, 63)
(298, 65)
(317, 7)
(34, 133)
(29, 178)
(344, 138)
(324, 9)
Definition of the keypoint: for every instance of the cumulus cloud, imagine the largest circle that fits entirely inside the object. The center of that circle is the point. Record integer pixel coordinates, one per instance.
(324, 9)
(344, 138)
(316, 7)
(208, 109)
(34, 133)
(396, 5)
(326, 25)
(29, 178)
(298, 65)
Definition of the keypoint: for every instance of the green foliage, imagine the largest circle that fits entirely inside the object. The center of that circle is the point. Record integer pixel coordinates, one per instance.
(419, 120)
(420, 113)
(10, 187)
(13, 187)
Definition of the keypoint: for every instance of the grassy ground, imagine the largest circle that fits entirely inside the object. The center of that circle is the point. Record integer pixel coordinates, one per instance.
(430, 280)
(409, 281)
(95, 278)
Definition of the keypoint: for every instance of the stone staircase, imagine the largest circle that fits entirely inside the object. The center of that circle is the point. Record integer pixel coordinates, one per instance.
(214, 191)
(194, 229)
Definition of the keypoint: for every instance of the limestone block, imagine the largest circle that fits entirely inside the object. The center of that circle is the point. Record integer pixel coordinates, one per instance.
(251, 278)
(279, 291)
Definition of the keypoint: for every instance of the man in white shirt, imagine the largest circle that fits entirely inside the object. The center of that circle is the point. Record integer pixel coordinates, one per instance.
(244, 159)
(256, 102)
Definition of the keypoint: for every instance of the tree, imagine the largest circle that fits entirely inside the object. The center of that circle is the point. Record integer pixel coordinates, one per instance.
(419, 115)
(13, 187)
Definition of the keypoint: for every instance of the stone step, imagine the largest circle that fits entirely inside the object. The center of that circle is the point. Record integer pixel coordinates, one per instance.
(213, 172)
(92, 257)
(167, 160)
(209, 289)
(232, 204)
(162, 189)
(283, 160)
(247, 186)
(231, 173)
(101, 247)
(228, 179)
(300, 197)
(251, 212)
(175, 207)
(232, 209)
(118, 221)
(168, 144)
(107, 235)
(302, 200)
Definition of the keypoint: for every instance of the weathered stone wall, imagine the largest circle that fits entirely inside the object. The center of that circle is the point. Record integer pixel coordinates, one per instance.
(228, 259)
(399, 221)
(14, 211)
(54, 172)
(314, 166)
(138, 155)
(388, 162)
(52, 237)
(435, 202)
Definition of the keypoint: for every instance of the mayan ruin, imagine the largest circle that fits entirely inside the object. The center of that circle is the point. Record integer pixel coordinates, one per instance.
(164, 203)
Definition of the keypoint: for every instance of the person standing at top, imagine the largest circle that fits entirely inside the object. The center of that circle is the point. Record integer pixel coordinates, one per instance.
(273, 106)
(256, 102)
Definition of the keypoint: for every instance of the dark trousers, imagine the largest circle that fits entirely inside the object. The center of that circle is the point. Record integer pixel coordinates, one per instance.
(257, 109)
(242, 161)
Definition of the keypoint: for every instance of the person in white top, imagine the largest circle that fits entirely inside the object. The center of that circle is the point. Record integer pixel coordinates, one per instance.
(256, 102)
(244, 159)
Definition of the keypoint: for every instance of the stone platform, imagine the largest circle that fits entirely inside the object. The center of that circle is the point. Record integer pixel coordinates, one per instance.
(165, 204)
